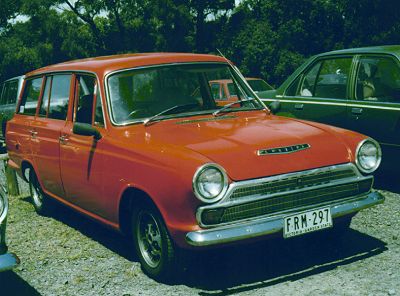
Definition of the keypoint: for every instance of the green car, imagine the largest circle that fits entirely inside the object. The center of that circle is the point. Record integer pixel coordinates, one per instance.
(357, 89)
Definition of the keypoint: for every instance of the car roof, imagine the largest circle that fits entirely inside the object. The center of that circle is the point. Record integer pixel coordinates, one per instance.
(106, 64)
(384, 49)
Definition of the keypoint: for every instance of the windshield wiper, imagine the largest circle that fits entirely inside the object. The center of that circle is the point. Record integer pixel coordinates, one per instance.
(147, 121)
(227, 106)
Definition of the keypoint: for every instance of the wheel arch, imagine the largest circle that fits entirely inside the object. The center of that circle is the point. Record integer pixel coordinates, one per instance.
(131, 198)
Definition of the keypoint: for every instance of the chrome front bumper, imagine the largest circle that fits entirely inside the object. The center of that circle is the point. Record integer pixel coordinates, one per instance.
(8, 261)
(269, 225)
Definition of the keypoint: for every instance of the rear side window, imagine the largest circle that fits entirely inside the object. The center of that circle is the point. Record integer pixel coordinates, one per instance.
(30, 97)
(59, 96)
(378, 79)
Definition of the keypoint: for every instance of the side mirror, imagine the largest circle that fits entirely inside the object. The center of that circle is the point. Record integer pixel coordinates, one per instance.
(274, 107)
(85, 129)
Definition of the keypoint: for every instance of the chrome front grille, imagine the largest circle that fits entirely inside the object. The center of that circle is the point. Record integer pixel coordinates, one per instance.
(285, 193)
(295, 182)
(291, 201)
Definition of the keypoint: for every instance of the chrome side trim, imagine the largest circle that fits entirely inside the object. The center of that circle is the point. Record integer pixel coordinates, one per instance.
(338, 104)
(270, 225)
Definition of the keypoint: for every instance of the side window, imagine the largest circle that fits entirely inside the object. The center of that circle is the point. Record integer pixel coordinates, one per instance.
(2, 93)
(378, 79)
(98, 116)
(327, 79)
(59, 96)
(30, 96)
(86, 87)
(292, 89)
(12, 92)
(44, 106)
(309, 81)
(215, 91)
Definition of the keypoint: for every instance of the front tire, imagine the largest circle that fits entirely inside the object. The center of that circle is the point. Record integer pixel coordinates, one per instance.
(153, 244)
(39, 199)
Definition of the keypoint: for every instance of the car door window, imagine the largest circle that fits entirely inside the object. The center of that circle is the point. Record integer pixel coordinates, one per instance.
(59, 96)
(10, 92)
(98, 116)
(86, 86)
(30, 96)
(327, 79)
(2, 90)
(44, 105)
(378, 79)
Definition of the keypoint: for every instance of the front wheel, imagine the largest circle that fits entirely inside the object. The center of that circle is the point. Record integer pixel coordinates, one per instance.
(39, 199)
(153, 243)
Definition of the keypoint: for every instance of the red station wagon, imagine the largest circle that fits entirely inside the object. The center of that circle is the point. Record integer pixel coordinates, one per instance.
(138, 143)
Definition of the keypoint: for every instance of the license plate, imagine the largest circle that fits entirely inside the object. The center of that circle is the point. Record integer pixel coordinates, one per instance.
(307, 222)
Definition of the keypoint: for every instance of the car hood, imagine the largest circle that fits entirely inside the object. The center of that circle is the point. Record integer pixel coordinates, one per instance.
(233, 141)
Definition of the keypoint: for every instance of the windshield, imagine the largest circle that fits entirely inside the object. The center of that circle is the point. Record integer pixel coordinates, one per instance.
(136, 95)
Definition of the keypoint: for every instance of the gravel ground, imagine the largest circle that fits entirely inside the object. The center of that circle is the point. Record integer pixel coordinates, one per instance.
(67, 254)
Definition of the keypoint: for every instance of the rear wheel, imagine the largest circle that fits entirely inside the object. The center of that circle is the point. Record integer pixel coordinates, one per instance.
(153, 243)
(39, 199)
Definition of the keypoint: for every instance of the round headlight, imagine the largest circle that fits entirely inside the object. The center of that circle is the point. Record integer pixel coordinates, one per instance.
(210, 183)
(368, 156)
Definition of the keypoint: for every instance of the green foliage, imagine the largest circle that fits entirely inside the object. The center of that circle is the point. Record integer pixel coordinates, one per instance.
(265, 38)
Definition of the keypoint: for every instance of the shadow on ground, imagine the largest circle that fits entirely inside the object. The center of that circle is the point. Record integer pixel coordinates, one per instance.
(247, 267)
(233, 269)
(387, 180)
(109, 238)
(11, 284)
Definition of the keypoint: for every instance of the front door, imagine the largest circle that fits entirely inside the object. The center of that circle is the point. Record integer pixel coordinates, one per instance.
(320, 93)
(81, 157)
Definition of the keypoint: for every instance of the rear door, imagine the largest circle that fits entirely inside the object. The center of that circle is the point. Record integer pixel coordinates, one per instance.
(320, 92)
(375, 107)
(46, 128)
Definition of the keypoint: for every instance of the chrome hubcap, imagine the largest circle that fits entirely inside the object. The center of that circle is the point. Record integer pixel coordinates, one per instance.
(149, 238)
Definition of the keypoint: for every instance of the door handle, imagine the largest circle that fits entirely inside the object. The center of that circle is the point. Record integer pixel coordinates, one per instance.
(63, 139)
(299, 106)
(33, 134)
(356, 111)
